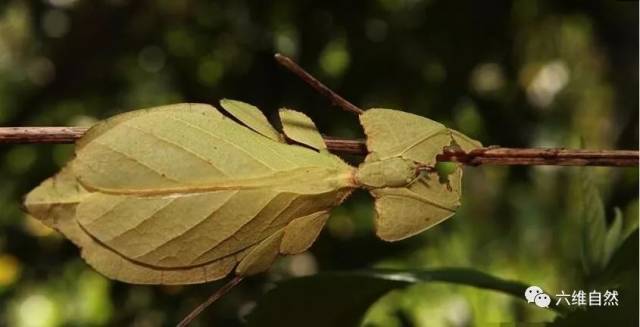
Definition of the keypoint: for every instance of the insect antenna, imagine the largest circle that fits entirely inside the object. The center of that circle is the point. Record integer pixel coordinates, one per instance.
(212, 298)
(316, 84)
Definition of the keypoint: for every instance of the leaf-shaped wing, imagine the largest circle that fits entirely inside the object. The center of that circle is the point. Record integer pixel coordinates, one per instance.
(300, 128)
(183, 187)
(181, 194)
(250, 116)
(405, 211)
(117, 267)
(192, 229)
(185, 147)
(54, 202)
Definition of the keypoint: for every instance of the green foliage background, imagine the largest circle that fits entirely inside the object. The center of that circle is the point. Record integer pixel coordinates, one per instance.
(520, 73)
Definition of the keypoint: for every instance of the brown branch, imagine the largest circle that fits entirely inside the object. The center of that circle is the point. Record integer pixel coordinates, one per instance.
(491, 155)
(542, 156)
(213, 298)
(317, 85)
(482, 156)
(40, 134)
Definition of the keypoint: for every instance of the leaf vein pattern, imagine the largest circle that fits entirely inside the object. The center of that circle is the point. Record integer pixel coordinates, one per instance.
(233, 236)
(415, 196)
(422, 139)
(177, 237)
(126, 156)
(93, 169)
(180, 147)
(250, 220)
(206, 132)
(113, 206)
(289, 204)
(150, 216)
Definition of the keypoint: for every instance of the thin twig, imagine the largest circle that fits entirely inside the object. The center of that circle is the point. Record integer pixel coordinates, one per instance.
(482, 156)
(490, 155)
(542, 156)
(317, 85)
(22, 135)
(214, 297)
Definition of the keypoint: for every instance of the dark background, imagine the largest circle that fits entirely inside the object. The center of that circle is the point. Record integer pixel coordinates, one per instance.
(515, 73)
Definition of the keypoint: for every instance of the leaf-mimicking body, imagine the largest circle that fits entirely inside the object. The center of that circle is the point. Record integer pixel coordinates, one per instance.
(182, 194)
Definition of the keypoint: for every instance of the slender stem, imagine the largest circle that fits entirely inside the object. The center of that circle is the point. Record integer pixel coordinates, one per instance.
(317, 85)
(345, 146)
(482, 156)
(542, 156)
(40, 134)
(214, 297)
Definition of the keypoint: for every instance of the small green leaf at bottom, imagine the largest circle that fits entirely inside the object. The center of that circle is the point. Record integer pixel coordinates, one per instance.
(342, 298)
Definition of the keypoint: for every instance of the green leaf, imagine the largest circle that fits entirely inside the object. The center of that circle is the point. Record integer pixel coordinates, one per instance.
(623, 267)
(598, 242)
(342, 298)
(614, 237)
(620, 275)
(593, 225)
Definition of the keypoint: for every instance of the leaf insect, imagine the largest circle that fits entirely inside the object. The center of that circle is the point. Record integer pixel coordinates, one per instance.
(182, 194)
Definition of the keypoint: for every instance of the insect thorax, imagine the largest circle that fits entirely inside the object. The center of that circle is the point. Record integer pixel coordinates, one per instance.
(391, 172)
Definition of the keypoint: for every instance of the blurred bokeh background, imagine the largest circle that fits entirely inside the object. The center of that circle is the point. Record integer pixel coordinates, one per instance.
(521, 73)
